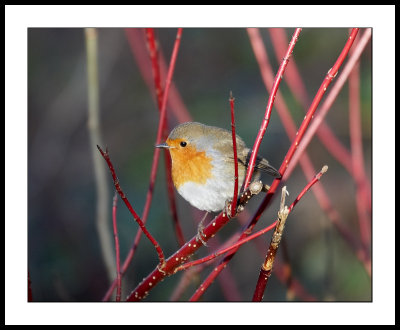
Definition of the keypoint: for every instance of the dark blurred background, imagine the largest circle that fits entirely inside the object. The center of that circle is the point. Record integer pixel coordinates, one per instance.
(64, 256)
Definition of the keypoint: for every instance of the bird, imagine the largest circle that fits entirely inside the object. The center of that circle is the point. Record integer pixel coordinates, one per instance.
(202, 164)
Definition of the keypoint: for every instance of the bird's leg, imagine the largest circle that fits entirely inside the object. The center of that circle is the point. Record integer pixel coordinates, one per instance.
(200, 228)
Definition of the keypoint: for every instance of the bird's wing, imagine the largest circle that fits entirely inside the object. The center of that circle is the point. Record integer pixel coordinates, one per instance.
(261, 164)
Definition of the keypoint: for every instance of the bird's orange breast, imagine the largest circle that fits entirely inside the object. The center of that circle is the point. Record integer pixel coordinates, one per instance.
(188, 164)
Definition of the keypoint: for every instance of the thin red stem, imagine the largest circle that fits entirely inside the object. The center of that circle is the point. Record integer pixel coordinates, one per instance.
(172, 202)
(137, 44)
(168, 81)
(357, 155)
(292, 75)
(176, 259)
(235, 158)
(271, 99)
(154, 56)
(130, 208)
(151, 41)
(227, 249)
(30, 296)
(116, 240)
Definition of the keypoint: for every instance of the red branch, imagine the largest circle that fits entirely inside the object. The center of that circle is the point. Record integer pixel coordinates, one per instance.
(292, 75)
(266, 268)
(270, 103)
(116, 240)
(235, 189)
(176, 259)
(137, 44)
(30, 297)
(357, 155)
(153, 50)
(130, 208)
(227, 249)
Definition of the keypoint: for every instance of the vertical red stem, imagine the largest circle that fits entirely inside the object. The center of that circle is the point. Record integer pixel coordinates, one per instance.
(153, 50)
(30, 297)
(130, 208)
(116, 240)
(357, 155)
(235, 189)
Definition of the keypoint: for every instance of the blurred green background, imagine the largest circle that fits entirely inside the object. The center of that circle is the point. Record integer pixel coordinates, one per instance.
(64, 255)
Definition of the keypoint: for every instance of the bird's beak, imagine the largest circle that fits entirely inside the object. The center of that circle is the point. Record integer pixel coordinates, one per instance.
(163, 145)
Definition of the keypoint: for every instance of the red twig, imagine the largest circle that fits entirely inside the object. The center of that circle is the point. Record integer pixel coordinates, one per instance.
(130, 208)
(167, 87)
(116, 240)
(235, 189)
(30, 297)
(172, 202)
(227, 249)
(331, 74)
(283, 274)
(151, 41)
(175, 260)
(270, 103)
(162, 121)
(292, 76)
(152, 45)
(266, 268)
(184, 282)
(357, 155)
(136, 42)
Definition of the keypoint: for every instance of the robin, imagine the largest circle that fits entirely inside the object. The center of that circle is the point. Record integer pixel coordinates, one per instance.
(203, 168)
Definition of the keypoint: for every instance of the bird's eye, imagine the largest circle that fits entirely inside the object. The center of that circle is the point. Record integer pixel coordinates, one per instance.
(183, 144)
